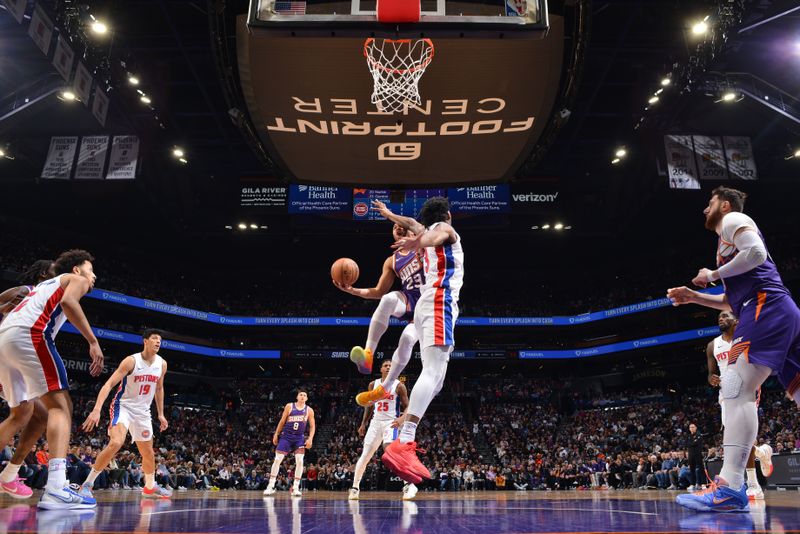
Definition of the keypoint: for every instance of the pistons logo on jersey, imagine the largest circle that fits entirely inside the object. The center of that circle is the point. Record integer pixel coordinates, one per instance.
(145, 433)
(722, 356)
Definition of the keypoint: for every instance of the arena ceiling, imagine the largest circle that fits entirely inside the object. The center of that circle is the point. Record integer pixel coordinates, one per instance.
(172, 47)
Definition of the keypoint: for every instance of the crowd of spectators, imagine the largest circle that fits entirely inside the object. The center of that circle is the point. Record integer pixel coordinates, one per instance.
(518, 440)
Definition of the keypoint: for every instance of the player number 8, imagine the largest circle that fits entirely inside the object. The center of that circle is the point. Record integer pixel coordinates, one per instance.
(296, 426)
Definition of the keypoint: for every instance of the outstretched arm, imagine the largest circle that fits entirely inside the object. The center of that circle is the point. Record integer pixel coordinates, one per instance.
(11, 297)
(406, 222)
(384, 283)
(125, 368)
(442, 234)
(684, 295)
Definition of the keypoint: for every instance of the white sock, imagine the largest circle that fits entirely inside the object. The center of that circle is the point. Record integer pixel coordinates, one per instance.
(276, 467)
(298, 468)
(92, 477)
(56, 474)
(402, 354)
(752, 478)
(390, 304)
(363, 461)
(741, 419)
(149, 480)
(408, 432)
(434, 369)
(296, 485)
(9, 472)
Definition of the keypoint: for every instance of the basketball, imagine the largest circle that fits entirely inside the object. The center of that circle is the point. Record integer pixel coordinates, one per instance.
(344, 271)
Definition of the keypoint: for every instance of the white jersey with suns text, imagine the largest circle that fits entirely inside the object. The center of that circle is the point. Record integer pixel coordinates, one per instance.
(137, 390)
(387, 409)
(40, 311)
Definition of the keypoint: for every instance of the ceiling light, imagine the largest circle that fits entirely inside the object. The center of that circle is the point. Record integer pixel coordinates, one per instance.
(228, 227)
(2, 153)
(264, 227)
(133, 80)
(659, 92)
(699, 28)
(621, 153)
(729, 96)
(183, 160)
(558, 226)
(797, 153)
(534, 227)
(653, 100)
(99, 28)
(568, 228)
(666, 81)
(545, 227)
(615, 161)
(241, 226)
(68, 95)
(177, 152)
(253, 226)
(145, 99)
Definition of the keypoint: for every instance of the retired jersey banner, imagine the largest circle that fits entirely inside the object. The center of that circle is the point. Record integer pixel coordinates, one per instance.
(124, 156)
(83, 83)
(710, 158)
(60, 157)
(681, 166)
(63, 58)
(100, 106)
(16, 8)
(739, 154)
(41, 29)
(92, 157)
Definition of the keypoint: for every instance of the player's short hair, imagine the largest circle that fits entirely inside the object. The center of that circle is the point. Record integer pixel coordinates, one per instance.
(301, 390)
(70, 259)
(434, 210)
(734, 196)
(31, 276)
(149, 332)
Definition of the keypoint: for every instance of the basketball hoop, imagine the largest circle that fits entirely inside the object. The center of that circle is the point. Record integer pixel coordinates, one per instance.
(397, 65)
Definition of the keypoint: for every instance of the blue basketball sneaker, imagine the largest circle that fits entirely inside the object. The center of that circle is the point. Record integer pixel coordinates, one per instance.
(716, 499)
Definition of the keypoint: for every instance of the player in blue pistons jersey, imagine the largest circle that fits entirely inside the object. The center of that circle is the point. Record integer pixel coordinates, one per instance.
(407, 267)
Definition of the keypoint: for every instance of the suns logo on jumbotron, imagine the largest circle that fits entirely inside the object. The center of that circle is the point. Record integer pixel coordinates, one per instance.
(360, 209)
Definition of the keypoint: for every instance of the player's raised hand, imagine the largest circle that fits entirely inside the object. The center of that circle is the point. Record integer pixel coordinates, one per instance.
(381, 208)
(92, 420)
(408, 244)
(164, 423)
(96, 354)
(704, 278)
(680, 295)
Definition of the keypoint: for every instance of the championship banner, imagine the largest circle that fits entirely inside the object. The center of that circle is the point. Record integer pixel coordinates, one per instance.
(739, 154)
(60, 157)
(83, 83)
(16, 8)
(100, 106)
(124, 156)
(41, 29)
(680, 162)
(480, 199)
(710, 158)
(92, 157)
(63, 58)
(319, 199)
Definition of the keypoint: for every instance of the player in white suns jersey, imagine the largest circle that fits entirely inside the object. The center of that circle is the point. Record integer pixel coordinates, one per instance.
(141, 379)
(434, 317)
(31, 368)
(382, 427)
(717, 353)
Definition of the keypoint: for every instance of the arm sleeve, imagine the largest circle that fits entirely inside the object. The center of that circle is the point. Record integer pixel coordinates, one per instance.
(752, 253)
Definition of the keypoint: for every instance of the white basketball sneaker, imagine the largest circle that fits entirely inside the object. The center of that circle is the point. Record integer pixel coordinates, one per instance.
(66, 498)
(354, 493)
(269, 491)
(764, 455)
(755, 494)
(296, 492)
(409, 492)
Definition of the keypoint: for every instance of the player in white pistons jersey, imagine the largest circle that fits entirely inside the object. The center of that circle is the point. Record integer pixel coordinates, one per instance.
(382, 427)
(717, 352)
(435, 318)
(31, 368)
(141, 379)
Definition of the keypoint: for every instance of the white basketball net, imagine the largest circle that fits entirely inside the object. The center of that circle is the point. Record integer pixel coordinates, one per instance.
(396, 67)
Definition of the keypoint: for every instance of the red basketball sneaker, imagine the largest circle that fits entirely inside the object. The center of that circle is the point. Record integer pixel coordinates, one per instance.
(402, 460)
